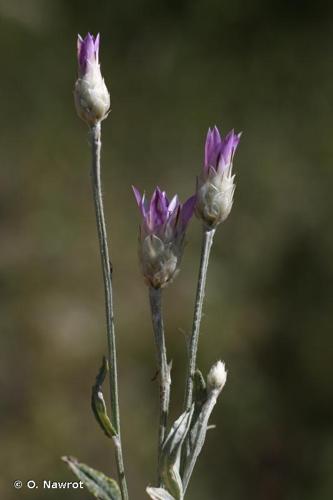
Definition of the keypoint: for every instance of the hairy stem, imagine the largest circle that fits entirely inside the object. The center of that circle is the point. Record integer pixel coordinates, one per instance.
(155, 296)
(207, 242)
(107, 277)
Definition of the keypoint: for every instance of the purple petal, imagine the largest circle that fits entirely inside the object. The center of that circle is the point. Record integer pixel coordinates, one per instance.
(231, 143)
(141, 201)
(87, 51)
(158, 209)
(152, 209)
(208, 147)
(144, 206)
(79, 45)
(173, 204)
(137, 195)
(212, 148)
(225, 151)
(97, 40)
(162, 203)
(216, 137)
(187, 210)
(161, 217)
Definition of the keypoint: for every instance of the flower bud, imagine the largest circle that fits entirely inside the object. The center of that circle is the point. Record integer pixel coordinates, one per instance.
(161, 237)
(216, 377)
(215, 186)
(92, 99)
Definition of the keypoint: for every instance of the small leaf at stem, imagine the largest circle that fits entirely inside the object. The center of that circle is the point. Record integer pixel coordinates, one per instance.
(199, 397)
(199, 388)
(98, 403)
(197, 434)
(170, 457)
(97, 483)
(159, 494)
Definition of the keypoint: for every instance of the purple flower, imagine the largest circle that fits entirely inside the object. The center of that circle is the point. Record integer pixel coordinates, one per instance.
(87, 52)
(162, 233)
(215, 186)
(92, 99)
(219, 151)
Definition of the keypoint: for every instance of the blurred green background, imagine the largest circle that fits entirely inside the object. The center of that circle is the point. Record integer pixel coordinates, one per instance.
(173, 69)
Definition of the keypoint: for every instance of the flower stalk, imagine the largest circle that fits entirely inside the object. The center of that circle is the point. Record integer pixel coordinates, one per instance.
(207, 241)
(214, 200)
(155, 297)
(161, 245)
(95, 135)
(215, 382)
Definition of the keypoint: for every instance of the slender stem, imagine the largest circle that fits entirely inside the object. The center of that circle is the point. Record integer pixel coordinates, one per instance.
(201, 430)
(207, 242)
(107, 277)
(155, 296)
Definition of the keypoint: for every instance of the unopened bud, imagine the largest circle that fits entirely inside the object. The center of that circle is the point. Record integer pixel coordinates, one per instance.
(216, 186)
(92, 99)
(217, 376)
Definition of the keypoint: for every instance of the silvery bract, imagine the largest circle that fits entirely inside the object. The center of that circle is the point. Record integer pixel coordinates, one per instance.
(92, 99)
(161, 238)
(215, 187)
(217, 376)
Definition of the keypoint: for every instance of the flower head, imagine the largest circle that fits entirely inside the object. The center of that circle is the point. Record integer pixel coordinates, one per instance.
(217, 376)
(92, 98)
(215, 188)
(162, 233)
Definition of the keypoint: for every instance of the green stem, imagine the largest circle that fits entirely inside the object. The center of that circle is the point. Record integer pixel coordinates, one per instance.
(207, 241)
(155, 296)
(107, 277)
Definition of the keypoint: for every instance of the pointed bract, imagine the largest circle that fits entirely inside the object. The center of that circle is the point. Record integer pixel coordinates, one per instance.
(215, 186)
(92, 98)
(217, 376)
(162, 233)
(87, 52)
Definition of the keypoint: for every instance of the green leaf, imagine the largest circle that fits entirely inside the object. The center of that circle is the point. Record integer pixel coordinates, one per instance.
(159, 494)
(98, 403)
(99, 485)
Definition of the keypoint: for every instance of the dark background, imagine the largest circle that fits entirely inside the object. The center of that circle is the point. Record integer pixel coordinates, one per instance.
(173, 69)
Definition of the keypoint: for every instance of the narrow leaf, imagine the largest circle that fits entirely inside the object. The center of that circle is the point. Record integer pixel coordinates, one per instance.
(199, 397)
(98, 403)
(159, 494)
(196, 436)
(199, 388)
(170, 458)
(97, 483)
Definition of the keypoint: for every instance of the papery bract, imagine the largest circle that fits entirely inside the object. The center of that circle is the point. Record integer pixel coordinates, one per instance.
(217, 376)
(215, 186)
(92, 99)
(162, 233)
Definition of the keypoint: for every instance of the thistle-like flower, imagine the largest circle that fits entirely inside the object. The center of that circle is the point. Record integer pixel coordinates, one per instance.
(92, 99)
(215, 186)
(161, 236)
